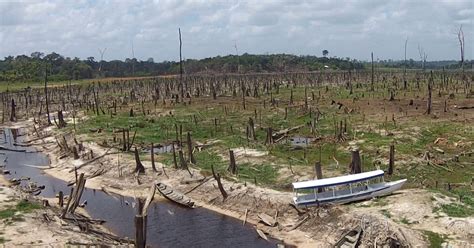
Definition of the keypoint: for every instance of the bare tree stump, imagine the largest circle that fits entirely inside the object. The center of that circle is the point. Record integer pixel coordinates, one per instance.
(217, 177)
(391, 159)
(152, 153)
(232, 166)
(139, 166)
(355, 164)
(190, 149)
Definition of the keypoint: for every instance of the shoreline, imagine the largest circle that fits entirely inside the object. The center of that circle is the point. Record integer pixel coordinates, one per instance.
(60, 170)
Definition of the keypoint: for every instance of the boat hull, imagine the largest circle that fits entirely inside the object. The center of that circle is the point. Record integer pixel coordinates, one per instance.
(386, 189)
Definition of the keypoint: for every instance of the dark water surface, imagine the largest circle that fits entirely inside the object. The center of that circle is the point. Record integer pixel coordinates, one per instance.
(168, 225)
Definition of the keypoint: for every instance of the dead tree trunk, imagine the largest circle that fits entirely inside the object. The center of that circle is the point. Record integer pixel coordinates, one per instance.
(75, 197)
(232, 166)
(429, 103)
(152, 152)
(355, 164)
(319, 173)
(13, 112)
(181, 65)
(182, 161)
(174, 157)
(391, 159)
(46, 94)
(372, 72)
(139, 166)
(217, 177)
(252, 129)
(61, 122)
(269, 139)
(190, 150)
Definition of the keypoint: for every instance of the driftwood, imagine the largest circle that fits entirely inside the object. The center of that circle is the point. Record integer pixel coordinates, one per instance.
(261, 234)
(92, 160)
(203, 181)
(299, 223)
(285, 132)
(267, 219)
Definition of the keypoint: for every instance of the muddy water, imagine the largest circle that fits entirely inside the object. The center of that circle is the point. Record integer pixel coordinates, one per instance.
(168, 225)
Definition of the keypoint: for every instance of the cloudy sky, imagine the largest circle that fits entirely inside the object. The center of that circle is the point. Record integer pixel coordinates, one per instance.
(209, 28)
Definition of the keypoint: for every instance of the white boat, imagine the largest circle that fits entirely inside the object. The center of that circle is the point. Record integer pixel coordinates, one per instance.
(343, 189)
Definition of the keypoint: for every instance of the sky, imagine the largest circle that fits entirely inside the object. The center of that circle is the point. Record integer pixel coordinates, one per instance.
(79, 28)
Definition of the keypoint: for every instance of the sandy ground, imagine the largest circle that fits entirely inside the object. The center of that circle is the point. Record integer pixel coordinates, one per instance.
(33, 229)
(319, 228)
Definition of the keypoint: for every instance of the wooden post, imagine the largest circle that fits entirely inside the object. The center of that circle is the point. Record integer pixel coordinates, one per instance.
(61, 199)
(140, 231)
(391, 159)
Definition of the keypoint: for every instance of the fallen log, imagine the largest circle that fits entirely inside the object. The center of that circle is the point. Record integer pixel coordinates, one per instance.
(92, 160)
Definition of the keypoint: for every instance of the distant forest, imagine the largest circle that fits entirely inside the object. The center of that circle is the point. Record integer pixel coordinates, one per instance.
(24, 68)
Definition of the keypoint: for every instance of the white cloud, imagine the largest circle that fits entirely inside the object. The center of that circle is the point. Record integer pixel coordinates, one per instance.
(345, 28)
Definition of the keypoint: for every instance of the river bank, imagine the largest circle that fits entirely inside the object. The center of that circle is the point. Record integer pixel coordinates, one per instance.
(308, 228)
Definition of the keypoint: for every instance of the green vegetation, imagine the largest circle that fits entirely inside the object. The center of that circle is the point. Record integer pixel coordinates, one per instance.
(32, 68)
(405, 221)
(435, 239)
(22, 207)
(386, 213)
(463, 209)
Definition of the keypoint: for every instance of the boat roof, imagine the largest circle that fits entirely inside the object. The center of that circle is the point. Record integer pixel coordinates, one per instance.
(338, 180)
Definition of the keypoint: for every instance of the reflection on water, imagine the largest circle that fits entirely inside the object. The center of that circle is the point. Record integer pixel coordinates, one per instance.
(168, 225)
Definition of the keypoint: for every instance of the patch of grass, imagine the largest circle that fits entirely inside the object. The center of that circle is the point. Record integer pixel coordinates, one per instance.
(380, 202)
(7, 213)
(264, 173)
(405, 221)
(26, 206)
(3, 240)
(386, 213)
(457, 210)
(22, 206)
(435, 239)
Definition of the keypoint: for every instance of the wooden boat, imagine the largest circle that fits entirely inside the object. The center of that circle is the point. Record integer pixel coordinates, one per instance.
(174, 196)
(343, 189)
(350, 239)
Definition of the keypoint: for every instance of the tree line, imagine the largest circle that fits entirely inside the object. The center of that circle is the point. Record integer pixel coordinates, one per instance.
(25, 68)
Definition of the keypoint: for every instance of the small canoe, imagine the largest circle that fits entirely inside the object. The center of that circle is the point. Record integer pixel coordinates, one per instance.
(350, 239)
(174, 196)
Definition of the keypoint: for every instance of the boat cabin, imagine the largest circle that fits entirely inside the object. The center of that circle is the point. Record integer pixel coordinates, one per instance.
(341, 189)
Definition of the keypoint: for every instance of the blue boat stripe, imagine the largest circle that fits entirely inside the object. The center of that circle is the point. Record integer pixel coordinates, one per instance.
(341, 198)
